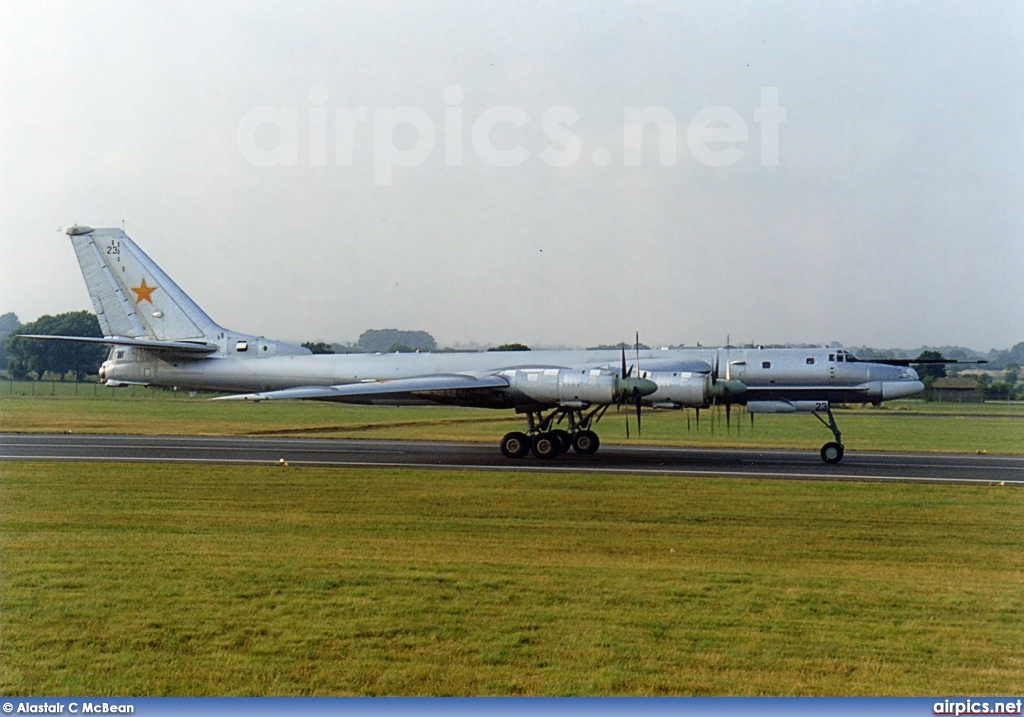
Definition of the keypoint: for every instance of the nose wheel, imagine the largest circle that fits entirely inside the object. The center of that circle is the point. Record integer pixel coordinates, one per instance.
(832, 452)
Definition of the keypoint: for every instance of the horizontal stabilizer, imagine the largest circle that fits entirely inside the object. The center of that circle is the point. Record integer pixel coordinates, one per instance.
(369, 389)
(178, 348)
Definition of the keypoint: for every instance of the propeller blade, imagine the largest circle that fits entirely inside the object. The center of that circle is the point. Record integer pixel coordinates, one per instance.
(637, 353)
(728, 406)
(638, 400)
(624, 359)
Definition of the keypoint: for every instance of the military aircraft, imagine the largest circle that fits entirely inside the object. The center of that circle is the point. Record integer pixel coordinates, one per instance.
(160, 337)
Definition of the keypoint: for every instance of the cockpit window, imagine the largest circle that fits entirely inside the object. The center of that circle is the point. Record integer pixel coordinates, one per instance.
(831, 357)
(839, 357)
(242, 346)
(810, 360)
(119, 354)
(766, 364)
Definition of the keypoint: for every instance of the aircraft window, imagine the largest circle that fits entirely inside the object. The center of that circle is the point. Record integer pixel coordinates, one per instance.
(766, 364)
(810, 360)
(831, 357)
(242, 346)
(264, 348)
(119, 354)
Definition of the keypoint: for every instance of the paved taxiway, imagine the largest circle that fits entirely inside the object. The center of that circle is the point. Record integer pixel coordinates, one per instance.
(340, 453)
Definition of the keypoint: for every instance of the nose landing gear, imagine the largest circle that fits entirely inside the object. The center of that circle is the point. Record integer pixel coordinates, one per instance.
(831, 452)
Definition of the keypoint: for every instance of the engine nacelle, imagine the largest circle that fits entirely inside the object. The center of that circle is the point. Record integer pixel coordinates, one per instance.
(679, 388)
(786, 406)
(564, 385)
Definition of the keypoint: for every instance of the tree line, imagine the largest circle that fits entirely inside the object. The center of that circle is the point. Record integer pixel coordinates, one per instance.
(30, 358)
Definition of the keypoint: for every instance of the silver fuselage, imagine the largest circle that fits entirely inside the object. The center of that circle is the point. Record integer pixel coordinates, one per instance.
(769, 374)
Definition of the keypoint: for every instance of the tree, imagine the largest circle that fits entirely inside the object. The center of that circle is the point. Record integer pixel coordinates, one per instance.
(511, 347)
(617, 347)
(319, 347)
(999, 391)
(930, 371)
(1012, 374)
(1001, 359)
(60, 357)
(8, 323)
(382, 339)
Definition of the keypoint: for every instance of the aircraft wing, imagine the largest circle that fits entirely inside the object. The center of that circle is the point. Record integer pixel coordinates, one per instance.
(369, 389)
(915, 362)
(178, 348)
(835, 394)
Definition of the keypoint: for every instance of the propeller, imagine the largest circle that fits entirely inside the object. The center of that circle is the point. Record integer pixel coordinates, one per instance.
(636, 393)
(725, 390)
(728, 365)
(633, 389)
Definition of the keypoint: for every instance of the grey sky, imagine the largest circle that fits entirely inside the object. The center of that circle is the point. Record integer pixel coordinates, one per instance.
(893, 217)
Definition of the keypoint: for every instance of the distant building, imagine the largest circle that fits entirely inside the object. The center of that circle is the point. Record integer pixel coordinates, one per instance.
(956, 390)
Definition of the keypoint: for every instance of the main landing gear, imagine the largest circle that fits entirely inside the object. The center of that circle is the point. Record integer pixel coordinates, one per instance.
(831, 452)
(545, 441)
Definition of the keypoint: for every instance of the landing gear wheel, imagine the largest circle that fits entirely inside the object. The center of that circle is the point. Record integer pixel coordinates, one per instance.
(586, 442)
(832, 452)
(515, 445)
(546, 445)
(564, 439)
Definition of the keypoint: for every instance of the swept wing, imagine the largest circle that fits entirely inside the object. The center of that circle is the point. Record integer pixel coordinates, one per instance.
(370, 389)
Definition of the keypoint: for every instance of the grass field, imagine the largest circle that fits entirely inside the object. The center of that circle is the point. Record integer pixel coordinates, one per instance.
(899, 426)
(123, 579)
(178, 580)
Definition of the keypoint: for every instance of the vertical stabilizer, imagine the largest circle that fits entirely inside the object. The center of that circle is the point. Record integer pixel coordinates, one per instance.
(132, 296)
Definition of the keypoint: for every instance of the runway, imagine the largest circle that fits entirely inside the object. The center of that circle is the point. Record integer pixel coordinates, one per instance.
(634, 460)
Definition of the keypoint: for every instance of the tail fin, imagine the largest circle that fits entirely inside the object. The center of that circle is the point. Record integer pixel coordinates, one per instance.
(132, 296)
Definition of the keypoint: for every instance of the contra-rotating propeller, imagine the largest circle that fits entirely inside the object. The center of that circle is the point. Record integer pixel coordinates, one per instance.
(633, 388)
(726, 390)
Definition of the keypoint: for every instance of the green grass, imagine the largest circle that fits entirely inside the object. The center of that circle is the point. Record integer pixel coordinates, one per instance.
(185, 580)
(900, 426)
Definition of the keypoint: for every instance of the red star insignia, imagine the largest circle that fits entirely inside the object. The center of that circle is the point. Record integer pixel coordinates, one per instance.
(142, 292)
